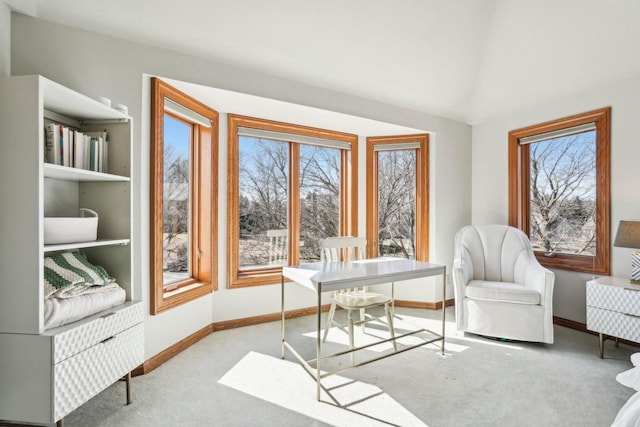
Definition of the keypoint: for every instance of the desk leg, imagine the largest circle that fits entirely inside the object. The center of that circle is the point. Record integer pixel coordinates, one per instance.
(444, 302)
(282, 315)
(318, 349)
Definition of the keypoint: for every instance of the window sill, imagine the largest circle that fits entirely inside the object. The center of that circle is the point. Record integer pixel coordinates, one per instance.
(182, 295)
(577, 263)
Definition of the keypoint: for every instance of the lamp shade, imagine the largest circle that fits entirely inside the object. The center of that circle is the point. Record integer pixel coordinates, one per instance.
(628, 235)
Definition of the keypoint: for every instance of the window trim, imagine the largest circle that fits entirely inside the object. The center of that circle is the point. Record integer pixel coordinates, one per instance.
(203, 258)
(519, 186)
(237, 278)
(422, 192)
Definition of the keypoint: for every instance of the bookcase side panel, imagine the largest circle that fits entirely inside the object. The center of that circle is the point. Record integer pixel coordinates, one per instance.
(21, 155)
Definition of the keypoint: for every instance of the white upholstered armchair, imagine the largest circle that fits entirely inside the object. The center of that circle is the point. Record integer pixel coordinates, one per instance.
(501, 290)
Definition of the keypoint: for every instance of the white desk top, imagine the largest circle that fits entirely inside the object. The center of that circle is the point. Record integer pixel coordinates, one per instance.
(330, 276)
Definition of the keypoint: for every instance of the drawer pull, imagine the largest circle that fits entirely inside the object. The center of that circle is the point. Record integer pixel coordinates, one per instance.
(107, 339)
(635, 316)
(107, 315)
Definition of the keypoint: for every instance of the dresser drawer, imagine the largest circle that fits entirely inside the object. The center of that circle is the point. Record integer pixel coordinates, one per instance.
(616, 298)
(620, 325)
(79, 378)
(79, 336)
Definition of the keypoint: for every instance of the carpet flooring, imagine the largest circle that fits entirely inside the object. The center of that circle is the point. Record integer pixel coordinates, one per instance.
(237, 378)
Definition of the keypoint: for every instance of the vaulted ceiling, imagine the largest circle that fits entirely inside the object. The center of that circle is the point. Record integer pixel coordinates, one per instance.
(468, 60)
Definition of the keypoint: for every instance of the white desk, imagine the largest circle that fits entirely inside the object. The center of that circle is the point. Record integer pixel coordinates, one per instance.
(324, 277)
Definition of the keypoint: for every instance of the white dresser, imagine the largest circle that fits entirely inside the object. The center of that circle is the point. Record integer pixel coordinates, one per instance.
(53, 373)
(613, 308)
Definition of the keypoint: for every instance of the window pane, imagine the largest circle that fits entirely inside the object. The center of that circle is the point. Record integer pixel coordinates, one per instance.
(263, 177)
(319, 198)
(176, 201)
(397, 203)
(563, 194)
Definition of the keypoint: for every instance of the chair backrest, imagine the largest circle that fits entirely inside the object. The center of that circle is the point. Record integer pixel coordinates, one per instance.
(342, 248)
(277, 246)
(493, 252)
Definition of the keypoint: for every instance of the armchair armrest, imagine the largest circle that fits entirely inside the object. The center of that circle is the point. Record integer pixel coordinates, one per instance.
(460, 277)
(540, 279)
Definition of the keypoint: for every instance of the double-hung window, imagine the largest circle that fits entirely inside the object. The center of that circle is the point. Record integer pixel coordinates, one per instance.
(288, 187)
(398, 196)
(184, 147)
(559, 190)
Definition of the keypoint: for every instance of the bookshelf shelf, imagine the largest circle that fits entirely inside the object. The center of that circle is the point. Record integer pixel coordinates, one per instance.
(81, 245)
(80, 175)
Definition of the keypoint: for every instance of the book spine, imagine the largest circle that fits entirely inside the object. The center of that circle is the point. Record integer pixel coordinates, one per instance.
(105, 152)
(64, 142)
(77, 149)
(85, 151)
(48, 143)
(61, 144)
(92, 154)
(99, 157)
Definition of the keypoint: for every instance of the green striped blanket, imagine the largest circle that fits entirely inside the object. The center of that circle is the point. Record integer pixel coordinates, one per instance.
(70, 273)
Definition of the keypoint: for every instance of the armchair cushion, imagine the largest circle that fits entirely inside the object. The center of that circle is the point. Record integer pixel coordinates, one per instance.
(501, 292)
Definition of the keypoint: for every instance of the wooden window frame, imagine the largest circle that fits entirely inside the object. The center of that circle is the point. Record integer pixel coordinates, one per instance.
(422, 192)
(237, 278)
(204, 194)
(519, 189)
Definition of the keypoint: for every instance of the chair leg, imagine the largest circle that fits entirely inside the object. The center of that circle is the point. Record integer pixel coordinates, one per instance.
(390, 324)
(362, 318)
(350, 320)
(332, 311)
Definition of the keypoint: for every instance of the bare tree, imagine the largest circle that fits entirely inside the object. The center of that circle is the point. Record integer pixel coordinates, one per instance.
(319, 198)
(562, 182)
(175, 210)
(396, 202)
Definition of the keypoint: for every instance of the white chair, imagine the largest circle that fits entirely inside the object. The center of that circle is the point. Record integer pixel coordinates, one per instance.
(278, 251)
(356, 299)
(500, 288)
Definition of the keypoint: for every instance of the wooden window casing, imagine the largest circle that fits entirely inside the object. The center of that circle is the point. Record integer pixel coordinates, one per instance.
(519, 190)
(237, 277)
(203, 208)
(422, 192)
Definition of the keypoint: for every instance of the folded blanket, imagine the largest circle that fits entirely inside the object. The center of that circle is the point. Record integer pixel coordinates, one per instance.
(60, 311)
(70, 274)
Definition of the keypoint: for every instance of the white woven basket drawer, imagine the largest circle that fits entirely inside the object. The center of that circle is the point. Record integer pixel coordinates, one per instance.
(73, 338)
(613, 323)
(84, 375)
(616, 298)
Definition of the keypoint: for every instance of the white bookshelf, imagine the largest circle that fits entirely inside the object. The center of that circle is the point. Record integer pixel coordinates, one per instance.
(36, 387)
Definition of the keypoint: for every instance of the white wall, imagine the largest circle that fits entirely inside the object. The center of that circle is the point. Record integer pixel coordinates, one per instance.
(102, 66)
(5, 39)
(489, 188)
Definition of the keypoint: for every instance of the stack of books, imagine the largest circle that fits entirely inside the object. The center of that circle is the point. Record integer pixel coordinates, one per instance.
(69, 147)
